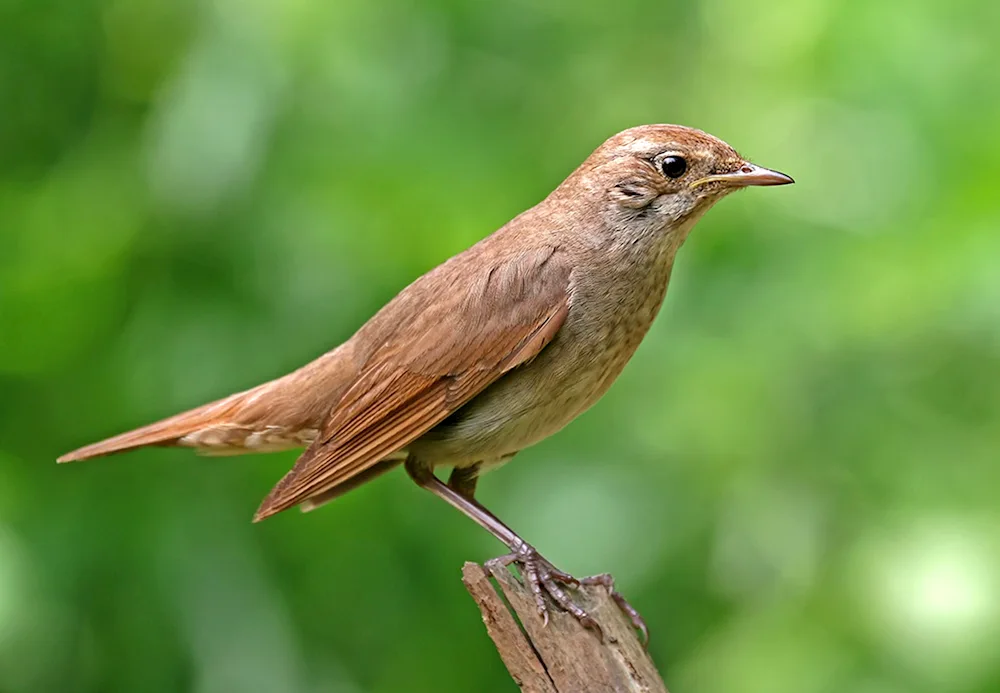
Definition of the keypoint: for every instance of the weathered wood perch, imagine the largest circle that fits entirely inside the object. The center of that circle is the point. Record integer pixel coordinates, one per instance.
(562, 657)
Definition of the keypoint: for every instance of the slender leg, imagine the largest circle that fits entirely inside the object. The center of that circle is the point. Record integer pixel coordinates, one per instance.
(463, 480)
(541, 576)
(425, 478)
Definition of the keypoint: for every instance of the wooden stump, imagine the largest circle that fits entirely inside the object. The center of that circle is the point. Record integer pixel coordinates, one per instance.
(562, 657)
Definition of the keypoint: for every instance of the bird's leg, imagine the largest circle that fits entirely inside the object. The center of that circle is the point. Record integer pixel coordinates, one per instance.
(542, 577)
(463, 480)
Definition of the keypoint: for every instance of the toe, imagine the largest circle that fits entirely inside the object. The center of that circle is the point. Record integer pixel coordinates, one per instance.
(559, 576)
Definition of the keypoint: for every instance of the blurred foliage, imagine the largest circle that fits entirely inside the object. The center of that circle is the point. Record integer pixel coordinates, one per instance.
(796, 480)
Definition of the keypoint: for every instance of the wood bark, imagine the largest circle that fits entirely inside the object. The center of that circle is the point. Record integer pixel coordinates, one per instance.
(562, 657)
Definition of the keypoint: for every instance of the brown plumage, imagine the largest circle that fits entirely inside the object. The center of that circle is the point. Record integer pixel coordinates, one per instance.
(281, 414)
(490, 352)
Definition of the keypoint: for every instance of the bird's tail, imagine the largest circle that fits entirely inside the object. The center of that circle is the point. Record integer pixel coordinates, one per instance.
(282, 414)
(215, 429)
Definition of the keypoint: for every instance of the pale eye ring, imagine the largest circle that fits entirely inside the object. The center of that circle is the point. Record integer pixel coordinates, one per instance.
(673, 166)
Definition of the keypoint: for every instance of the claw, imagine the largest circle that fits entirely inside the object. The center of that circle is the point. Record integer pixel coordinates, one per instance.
(608, 582)
(544, 578)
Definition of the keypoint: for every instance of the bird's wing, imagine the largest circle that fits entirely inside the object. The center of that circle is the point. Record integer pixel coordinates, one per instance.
(436, 346)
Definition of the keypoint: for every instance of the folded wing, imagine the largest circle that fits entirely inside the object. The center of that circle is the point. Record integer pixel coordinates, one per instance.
(438, 344)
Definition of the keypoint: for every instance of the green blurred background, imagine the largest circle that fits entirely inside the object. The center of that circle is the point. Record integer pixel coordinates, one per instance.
(796, 480)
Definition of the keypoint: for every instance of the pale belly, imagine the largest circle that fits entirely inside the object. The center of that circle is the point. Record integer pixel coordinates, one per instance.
(517, 411)
(537, 400)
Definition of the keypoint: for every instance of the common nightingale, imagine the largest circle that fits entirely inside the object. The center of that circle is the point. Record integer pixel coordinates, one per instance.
(490, 352)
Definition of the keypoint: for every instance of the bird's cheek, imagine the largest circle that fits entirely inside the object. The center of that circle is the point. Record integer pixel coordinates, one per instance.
(674, 207)
(632, 196)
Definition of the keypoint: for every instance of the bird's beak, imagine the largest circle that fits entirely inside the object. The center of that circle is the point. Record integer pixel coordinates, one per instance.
(747, 174)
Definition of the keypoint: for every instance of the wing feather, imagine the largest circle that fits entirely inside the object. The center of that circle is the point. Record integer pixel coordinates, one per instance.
(431, 361)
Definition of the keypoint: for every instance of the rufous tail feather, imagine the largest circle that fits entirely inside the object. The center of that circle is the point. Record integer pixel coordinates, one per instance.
(213, 428)
(282, 414)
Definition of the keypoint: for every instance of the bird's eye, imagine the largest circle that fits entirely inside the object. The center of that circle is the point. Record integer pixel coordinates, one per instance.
(673, 166)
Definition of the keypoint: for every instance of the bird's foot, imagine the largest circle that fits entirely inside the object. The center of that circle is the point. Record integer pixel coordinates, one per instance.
(607, 582)
(544, 578)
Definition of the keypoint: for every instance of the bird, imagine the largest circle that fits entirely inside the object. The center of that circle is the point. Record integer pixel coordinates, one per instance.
(488, 353)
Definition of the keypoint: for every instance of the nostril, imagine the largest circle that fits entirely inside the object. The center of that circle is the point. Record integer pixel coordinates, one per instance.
(746, 169)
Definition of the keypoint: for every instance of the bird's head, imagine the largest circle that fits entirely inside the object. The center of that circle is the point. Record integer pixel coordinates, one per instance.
(658, 177)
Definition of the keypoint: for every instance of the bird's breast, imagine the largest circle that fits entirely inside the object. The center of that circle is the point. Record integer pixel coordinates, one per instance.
(612, 307)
